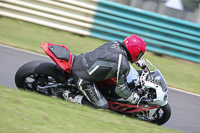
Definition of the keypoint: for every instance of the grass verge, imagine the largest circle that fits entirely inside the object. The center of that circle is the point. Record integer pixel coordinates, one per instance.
(22, 112)
(178, 73)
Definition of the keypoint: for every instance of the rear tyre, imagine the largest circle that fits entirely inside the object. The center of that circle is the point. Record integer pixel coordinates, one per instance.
(35, 73)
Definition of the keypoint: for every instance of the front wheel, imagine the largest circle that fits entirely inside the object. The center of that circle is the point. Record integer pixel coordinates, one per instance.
(157, 116)
(162, 115)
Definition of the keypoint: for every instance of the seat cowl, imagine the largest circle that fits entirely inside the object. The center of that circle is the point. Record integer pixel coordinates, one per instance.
(60, 52)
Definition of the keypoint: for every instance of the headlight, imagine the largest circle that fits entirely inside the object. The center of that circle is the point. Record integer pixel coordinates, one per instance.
(158, 81)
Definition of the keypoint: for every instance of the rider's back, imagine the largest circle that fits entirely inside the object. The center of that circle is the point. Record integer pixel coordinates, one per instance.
(101, 63)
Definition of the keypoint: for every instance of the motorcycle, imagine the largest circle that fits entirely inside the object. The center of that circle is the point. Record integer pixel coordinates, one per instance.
(53, 79)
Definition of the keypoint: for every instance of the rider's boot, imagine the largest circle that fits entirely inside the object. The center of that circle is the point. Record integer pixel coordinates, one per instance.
(72, 97)
(95, 97)
(79, 99)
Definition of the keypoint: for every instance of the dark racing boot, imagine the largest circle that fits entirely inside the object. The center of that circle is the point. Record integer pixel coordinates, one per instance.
(95, 97)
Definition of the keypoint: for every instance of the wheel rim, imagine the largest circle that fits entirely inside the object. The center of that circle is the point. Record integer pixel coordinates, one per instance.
(159, 113)
(32, 81)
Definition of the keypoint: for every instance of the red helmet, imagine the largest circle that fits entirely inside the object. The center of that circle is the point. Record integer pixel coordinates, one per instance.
(135, 47)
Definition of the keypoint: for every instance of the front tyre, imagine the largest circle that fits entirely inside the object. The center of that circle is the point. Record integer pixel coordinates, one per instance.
(162, 115)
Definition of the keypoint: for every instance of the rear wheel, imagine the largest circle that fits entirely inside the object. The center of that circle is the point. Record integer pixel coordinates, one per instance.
(38, 73)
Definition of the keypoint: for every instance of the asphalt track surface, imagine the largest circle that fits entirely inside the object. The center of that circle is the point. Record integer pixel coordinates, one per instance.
(185, 106)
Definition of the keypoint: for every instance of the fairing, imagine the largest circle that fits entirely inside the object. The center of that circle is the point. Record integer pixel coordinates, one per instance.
(128, 108)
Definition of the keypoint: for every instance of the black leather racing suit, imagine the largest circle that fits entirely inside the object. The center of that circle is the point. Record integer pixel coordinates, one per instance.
(104, 62)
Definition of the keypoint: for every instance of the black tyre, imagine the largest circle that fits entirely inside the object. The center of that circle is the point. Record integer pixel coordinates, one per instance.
(162, 115)
(39, 72)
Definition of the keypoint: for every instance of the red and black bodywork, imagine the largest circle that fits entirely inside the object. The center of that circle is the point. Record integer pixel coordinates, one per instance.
(60, 54)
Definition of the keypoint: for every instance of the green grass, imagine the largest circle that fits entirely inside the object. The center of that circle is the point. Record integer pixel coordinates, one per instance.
(181, 74)
(29, 36)
(26, 112)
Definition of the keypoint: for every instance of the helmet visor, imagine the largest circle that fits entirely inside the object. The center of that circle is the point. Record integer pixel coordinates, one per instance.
(140, 54)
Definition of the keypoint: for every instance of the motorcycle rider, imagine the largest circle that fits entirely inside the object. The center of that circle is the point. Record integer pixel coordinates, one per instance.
(107, 61)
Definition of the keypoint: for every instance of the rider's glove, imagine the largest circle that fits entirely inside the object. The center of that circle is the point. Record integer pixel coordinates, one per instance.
(134, 98)
(141, 63)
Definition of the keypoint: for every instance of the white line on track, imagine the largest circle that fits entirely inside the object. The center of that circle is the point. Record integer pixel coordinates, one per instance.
(47, 57)
(184, 91)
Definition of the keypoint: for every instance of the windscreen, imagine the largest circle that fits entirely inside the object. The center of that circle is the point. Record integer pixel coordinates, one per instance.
(159, 80)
